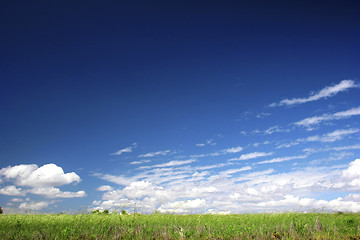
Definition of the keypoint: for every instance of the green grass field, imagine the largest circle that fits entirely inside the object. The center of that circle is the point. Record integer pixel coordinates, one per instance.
(166, 226)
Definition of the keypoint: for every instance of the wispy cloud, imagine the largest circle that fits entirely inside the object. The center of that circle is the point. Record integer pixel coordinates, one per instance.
(221, 152)
(207, 167)
(170, 164)
(251, 156)
(328, 137)
(308, 122)
(232, 150)
(323, 93)
(209, 142)
(333, 136)
(282, 159)
(125, 150)
(275, 129)
(140, 162)
(153, 154)
(263, 114)
(351, 147)
(235, 170)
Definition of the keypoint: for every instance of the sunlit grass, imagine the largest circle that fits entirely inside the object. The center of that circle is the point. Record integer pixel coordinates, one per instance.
(167, 226)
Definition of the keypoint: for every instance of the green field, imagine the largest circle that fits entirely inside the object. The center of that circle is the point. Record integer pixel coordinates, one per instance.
(167, 226)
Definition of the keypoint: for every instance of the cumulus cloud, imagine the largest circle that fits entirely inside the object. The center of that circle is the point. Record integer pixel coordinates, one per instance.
(182, 207)
(40, 181)
(34, 206)
(294, 203)
(186, 189)
(323, 93)
(350, 179)
(105, 188)
(12, 191)
(308, 122)
(34, 176)
(125, 150)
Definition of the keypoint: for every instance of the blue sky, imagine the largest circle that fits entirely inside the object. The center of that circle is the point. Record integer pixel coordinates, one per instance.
(181, 107)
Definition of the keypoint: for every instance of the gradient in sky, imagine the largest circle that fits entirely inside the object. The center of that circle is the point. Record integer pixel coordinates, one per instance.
(180, 106)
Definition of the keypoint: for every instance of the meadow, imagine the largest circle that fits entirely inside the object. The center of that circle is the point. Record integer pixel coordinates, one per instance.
(168, 226)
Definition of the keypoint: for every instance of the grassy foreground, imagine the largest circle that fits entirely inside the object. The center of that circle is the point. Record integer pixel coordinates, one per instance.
(163, 226)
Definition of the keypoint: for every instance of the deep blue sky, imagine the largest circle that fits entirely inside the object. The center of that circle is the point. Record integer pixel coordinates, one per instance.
(81, 80)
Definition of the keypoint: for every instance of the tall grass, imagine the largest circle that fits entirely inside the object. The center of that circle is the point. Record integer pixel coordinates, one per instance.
(166, 226)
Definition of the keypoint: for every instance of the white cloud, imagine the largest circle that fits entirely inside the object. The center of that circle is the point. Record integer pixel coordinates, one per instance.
(121, 180)
(212, 166)
(221, 152)
(185, 189)
(244, 133)
(333, 136)
(336, 135)
(287, 145)
(235, 170)
(282, 159)
(213, 211)
(207, 142)
(34, 176)
(125, 150)
(323, 93)
(35, 206)
(251, 156)
(41, 181)
(350, 179)
(96, 203)
(153, 154)
(262, 115)
(275, 129)
(182, 207)
(12, 191)
(16, 200)
(291, 203)
(105, 188)
(170, 164)
(140, 162)
(232, 150)
(51, 192)
(307, 122)
(351, 147)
